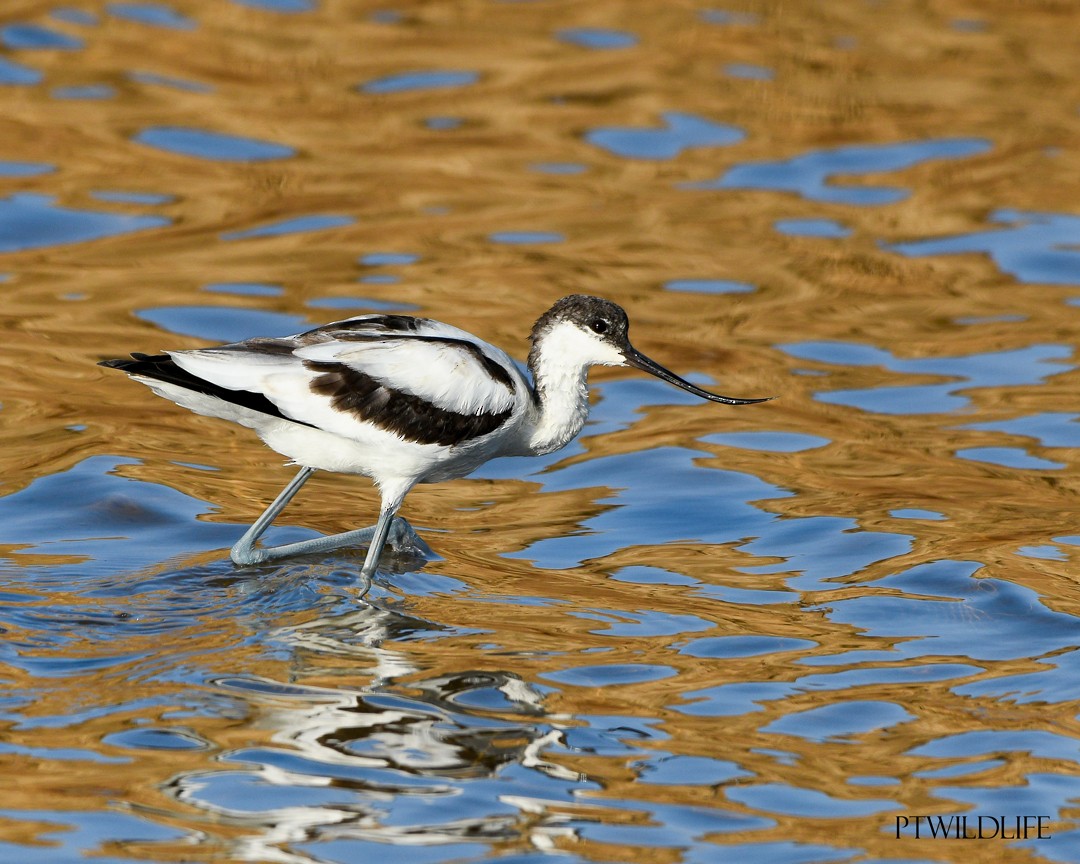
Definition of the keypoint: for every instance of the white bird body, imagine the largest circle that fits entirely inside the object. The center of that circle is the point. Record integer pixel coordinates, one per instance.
(399, 399)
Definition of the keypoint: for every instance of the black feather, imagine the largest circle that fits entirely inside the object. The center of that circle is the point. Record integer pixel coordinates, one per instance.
(161, 367)
(411, 417)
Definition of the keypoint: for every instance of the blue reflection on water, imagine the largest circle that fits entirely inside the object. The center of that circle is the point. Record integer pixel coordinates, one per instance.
(36, 37)
(15, 73)
(644, 622)
(223, 323)
(156, 739)
(204, 144)
(81, 834)
(1051, 428)
(666, 769)
(443, 122)
(709, 286)
(769, 441)
(289, 6)
(971, 618)
(421, 80)
(917, 513)
(749, 71)
(25, 169)
(811, 175)
(990, 742)
(386, 16)
(71, 15)
(722, 593)
(388, 259)
(84, 91)
(968, 25)
(82, 512)
(808, 803)
(821, 550)
(1021, 366)
(1043, 553)
(1009, 457)
(170, 81)
(609, 675)
(1054, 682)
(869, 675)
(294, 225)
(612, 734)
(728, 17)
(972, 320)
(812, 228)
(727, 647)
(348, 850)
(245, 289)
(32, 221)
(598, 38)
(1037, 247)
(515, 238)
(567, 168)
(148, 198)
(682, 132)
(840, 720)
(664, 498)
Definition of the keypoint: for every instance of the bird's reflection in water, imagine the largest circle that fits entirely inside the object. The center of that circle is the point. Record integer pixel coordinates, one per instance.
(416, 763)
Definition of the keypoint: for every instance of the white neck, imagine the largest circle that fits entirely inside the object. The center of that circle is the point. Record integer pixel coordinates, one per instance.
(559, 362)
(563, 390)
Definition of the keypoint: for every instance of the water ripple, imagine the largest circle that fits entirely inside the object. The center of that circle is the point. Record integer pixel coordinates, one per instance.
(682, 132)
(204, 144)
(223, 323)
(292, 225)
(1036, 247)
(811, 175)
(15, 73)
(597, 38)
(946, 611)
(431, 79)
(34, 37)
(1020, 366)
(32, 221)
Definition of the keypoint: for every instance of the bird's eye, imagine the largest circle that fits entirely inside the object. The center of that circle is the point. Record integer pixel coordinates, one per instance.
(598, 325)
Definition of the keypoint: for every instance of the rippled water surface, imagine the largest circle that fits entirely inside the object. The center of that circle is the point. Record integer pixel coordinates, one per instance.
(772, 633)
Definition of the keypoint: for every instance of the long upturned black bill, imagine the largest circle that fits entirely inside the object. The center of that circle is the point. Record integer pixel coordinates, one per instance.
(639, 361)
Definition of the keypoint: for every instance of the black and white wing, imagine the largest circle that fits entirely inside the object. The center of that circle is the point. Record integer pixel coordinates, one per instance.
(421, 380)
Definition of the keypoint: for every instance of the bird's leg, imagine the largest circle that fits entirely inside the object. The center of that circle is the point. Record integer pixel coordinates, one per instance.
(402, 533)
(244, 551)
(378, 541)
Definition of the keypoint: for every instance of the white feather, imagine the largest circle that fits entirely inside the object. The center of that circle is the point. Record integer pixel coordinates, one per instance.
(448, 375)
(234, 367)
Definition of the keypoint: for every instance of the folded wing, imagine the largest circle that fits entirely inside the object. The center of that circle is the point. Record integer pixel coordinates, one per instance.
(422, 380)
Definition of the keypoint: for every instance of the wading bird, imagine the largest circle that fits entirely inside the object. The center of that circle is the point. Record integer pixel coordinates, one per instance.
(399, 399)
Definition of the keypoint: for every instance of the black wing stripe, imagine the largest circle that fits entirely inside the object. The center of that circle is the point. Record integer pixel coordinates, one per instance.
(161, 367)
(378, 323)
(414, 419)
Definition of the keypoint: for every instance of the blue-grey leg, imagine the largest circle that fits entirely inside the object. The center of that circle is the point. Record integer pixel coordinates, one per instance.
(244, 552)
(378, 541)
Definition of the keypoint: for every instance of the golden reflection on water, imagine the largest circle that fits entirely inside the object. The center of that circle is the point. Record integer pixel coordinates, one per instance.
(860, 73)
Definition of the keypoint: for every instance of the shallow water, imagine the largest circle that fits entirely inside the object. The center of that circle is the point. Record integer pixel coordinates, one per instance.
(770, 633)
